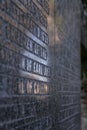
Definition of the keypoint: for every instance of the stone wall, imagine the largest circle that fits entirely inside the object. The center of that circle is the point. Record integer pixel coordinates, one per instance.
(39, 65)
(66, 72)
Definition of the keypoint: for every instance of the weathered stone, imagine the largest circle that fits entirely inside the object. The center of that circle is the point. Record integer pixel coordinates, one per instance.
(39, 65)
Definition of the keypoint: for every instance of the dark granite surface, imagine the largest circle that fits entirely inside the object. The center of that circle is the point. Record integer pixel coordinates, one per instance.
(39, 65)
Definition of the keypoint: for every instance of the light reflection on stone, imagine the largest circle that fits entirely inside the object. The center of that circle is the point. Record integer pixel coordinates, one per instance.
(29, 87)
(21, 87)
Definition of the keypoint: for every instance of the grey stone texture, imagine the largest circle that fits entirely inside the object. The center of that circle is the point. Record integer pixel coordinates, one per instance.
(66, 65)
(40, 64)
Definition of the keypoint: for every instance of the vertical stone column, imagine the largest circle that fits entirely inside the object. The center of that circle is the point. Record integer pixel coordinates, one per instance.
(65, 78)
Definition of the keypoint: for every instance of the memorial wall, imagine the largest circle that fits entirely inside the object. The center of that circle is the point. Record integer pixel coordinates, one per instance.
(39, 65)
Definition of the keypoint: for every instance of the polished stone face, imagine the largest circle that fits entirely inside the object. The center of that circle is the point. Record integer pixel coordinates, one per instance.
(39, 65)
